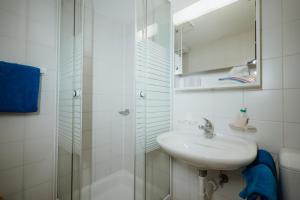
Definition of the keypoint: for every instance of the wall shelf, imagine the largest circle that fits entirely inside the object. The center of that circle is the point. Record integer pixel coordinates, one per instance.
(219, 87)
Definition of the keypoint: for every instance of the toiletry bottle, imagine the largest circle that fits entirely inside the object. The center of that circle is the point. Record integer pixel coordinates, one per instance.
(241, 122)
(243, 116)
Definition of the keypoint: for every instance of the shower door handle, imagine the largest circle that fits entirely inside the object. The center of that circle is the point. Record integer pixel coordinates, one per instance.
(142, 94)
(76, 93)
(124, 112)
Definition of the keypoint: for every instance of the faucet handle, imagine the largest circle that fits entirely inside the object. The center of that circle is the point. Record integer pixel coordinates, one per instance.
(208, 128)
(207, 122)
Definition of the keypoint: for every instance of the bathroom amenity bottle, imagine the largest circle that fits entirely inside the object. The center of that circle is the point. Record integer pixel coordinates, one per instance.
(243, 116)
(242, 120)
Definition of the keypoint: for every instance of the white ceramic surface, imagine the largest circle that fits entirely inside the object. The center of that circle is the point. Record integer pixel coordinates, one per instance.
(218, 153)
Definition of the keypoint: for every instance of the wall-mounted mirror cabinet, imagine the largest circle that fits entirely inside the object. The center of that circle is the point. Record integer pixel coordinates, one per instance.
(217, 44)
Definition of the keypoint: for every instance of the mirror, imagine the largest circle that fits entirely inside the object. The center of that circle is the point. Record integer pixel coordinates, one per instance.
(218, 36)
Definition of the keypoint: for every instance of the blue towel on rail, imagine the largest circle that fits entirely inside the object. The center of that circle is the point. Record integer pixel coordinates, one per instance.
(19, 88)
(261, 178)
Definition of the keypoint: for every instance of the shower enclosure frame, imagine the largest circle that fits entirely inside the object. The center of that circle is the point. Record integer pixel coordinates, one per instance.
(77, 5)
(81, 27)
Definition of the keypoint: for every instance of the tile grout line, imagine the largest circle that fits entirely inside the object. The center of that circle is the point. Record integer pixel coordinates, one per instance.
(26, 58)
(282, 76)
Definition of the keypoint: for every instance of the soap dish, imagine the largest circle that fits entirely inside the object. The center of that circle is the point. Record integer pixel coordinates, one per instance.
(248, 128)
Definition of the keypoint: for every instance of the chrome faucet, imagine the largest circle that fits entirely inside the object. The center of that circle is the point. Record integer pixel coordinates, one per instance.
(208, 128)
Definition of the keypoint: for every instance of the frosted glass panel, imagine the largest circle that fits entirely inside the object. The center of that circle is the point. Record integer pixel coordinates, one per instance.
(153, 100)
(158, 89)
(153, 76)
(65, 102)
(69, 106)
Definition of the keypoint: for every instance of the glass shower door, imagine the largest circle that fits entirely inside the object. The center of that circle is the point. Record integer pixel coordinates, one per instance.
(158, 102)
(65, 101)
(69, 101)
(110, 152)
(153, 101)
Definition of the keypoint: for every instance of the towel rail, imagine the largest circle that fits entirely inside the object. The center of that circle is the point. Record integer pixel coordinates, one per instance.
(43, 71)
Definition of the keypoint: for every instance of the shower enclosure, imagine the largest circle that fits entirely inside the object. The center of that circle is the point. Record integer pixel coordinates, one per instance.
(114, 99)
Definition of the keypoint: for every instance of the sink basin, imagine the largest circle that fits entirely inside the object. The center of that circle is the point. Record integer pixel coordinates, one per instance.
(217, 153)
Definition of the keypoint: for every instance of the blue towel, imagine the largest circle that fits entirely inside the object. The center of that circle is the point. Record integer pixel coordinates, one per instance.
(19, 88)
(261, 178)
(264, 157)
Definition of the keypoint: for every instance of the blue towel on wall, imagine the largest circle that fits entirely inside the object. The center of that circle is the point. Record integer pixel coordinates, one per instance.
(261, 178)
(19, 88)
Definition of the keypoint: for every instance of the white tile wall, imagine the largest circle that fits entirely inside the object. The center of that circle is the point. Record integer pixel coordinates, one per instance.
(291, 135)
(11, 155)
(28, 35)
(272, 42)
(291, 11)
(11, 181)
(291, 32)
(291, 105)
(224, 102)
(272, 73)
(274, 109)
(43, 190)
(272, 13)
(291, 70)
(264, 105)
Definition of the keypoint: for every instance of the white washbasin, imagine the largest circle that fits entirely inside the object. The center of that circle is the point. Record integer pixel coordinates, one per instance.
(217, 153)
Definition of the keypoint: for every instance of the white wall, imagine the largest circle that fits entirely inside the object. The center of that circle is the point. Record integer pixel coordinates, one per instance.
(28, 35)
(274, 109)
(225, 52)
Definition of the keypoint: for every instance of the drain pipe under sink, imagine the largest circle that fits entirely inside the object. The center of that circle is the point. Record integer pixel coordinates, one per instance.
(202, 183)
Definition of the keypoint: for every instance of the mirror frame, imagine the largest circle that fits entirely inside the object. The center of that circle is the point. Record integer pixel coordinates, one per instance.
(257, 84)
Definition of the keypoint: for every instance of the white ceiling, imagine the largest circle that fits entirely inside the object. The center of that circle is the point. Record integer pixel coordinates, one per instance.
(236, 18)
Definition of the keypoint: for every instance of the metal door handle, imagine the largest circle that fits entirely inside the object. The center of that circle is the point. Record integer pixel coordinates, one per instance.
(124, 112)
(77, 93)
(142, 94)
